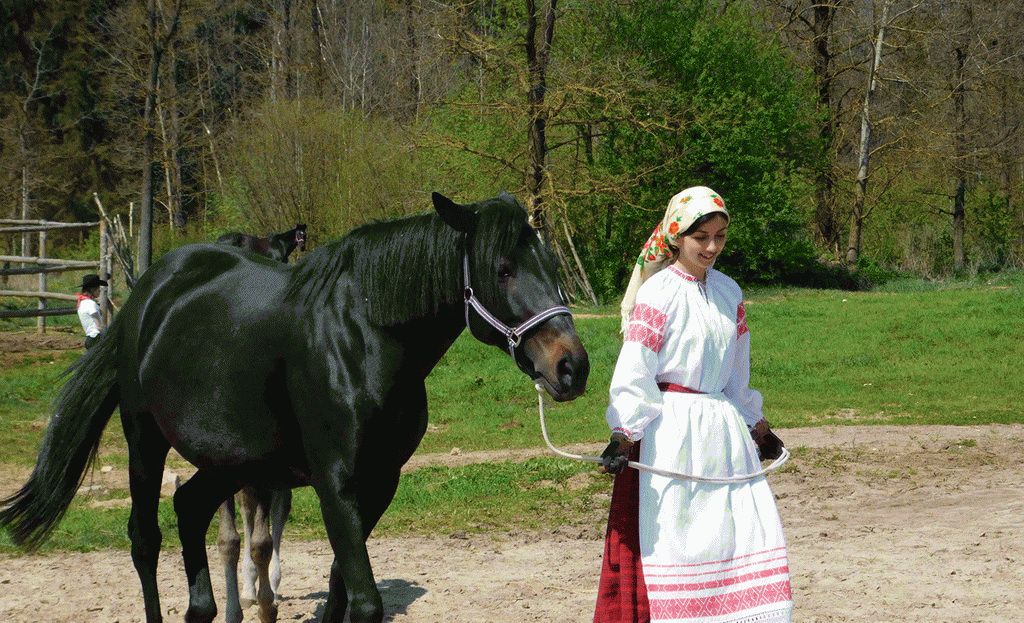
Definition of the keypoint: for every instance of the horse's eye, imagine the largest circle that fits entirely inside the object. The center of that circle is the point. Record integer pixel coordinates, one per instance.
(505, 271)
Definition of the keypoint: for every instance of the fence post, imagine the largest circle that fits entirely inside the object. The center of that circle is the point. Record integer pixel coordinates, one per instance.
(105, 273)
(41, 319)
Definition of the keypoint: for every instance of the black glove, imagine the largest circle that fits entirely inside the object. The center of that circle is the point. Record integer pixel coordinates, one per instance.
(616, 455)
(769, 446)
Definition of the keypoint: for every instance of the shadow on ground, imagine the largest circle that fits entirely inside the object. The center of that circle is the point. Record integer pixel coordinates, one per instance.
(397, 594)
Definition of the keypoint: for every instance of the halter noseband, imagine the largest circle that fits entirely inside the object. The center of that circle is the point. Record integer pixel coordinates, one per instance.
(514, 335)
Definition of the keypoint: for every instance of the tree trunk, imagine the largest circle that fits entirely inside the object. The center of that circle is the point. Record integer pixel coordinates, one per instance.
(824, 195)
(857, 215)
(157, 43)
(959, 157)
(149, 110)
(537, 62)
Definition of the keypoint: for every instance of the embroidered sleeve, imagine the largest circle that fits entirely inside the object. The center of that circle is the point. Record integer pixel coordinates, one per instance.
(748, 401)
(635, 399)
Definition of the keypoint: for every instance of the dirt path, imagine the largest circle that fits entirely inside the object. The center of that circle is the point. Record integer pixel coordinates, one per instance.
(885, 524)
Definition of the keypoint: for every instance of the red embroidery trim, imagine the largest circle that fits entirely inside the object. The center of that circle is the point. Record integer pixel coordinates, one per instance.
(698, 586)
(679, 271)
(715, 571)
(741, 321)
(715, 605)
(647, 327)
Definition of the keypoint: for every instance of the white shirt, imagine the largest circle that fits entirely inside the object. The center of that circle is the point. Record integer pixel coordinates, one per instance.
(684, 333)
(92, 319)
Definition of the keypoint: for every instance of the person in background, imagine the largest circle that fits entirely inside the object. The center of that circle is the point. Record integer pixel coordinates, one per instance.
(89, 310)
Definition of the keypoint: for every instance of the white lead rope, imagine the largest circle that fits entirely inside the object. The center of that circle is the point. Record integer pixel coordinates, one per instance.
(776, 464)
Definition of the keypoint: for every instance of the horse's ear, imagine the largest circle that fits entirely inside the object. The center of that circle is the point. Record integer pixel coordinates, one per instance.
(458, 217)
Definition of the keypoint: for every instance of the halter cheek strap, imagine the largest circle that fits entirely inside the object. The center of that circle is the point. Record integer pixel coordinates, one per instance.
(514, 335)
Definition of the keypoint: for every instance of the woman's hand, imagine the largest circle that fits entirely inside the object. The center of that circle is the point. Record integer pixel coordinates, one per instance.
(769, 446)
(616, 455)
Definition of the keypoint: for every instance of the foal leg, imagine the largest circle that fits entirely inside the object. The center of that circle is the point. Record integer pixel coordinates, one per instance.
(147, 451)
(229, 544)
(247, 505)
(194, 503)
(280, 507)
(261, 547)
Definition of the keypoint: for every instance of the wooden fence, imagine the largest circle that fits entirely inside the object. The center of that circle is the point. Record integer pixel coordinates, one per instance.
(42, 265)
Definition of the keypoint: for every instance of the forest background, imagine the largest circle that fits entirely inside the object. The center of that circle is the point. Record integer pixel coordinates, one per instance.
(852, 140)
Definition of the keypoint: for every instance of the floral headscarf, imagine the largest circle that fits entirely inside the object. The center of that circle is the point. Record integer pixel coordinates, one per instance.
(660, 250)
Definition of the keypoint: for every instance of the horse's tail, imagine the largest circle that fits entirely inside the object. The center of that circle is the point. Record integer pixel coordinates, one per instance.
(81, 412)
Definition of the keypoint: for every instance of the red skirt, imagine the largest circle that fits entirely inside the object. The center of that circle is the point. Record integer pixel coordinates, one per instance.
(622, 592)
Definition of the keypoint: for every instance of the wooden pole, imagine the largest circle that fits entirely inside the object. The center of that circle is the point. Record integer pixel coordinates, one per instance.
(105, 273)
(41, 320)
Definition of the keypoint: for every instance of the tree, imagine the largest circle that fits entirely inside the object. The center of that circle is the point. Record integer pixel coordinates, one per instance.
(161, 30)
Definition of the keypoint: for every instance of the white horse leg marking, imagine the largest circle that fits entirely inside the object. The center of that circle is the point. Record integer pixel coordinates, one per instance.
(228, 543)
(280, 507)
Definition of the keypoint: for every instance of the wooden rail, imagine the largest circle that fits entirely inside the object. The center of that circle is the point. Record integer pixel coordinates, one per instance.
(45, 226)
(43, 265)
(30, 294)
(31, 313)
(49, 261)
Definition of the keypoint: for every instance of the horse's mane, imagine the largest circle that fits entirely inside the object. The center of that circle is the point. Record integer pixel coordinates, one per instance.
(409, 267)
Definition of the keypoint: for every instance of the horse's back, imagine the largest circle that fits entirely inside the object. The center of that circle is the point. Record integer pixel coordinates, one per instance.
(204, 330)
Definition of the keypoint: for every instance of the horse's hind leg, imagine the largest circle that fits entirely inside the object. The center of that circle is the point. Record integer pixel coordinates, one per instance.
(147, 451)
(280, 507)
(194, 503)
(261, 547)
(229, 545)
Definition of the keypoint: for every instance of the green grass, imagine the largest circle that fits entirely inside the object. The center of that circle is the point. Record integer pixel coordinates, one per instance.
(501, 497)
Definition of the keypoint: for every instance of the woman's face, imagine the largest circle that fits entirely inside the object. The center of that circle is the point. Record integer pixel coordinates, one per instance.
(699, 250)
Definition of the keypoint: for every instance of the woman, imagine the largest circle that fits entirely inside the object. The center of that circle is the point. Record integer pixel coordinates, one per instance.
(677, 550)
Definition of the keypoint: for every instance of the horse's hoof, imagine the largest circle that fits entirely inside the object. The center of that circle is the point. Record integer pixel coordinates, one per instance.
(246, 602)
(268, 614)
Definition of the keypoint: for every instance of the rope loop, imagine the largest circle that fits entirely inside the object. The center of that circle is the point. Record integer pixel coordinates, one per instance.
(719, 480)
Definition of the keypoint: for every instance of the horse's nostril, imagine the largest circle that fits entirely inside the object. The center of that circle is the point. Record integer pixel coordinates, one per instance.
(565, 368)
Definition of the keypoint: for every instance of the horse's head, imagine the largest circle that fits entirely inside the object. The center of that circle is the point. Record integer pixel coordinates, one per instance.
(513, 276)
(300, 236)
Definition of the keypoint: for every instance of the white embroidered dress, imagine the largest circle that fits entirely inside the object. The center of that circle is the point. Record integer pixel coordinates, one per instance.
(710, 552)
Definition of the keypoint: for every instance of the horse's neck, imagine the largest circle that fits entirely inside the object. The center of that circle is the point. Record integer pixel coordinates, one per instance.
(430, 338)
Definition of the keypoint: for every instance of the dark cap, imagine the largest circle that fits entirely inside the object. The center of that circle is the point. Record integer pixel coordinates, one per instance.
(91, 281)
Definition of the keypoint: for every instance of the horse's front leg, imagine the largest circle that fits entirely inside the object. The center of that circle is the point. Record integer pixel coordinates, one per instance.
(352, 582)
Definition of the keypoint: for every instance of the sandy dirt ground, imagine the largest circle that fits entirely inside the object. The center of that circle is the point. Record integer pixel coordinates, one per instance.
(900, 524)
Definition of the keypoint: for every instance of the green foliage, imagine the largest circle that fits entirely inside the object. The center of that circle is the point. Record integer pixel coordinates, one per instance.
(728, 110)
(307, 161)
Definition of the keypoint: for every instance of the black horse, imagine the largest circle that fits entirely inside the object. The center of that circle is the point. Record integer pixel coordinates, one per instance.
(275, 246)
(280, 375)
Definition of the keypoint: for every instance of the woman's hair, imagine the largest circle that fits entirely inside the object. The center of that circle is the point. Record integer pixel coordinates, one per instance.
(704, 219)
(694, 227)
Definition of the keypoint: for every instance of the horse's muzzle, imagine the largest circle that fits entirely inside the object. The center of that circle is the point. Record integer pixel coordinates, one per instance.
(560, 363)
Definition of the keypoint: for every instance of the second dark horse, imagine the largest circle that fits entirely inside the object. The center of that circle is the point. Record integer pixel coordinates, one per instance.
(275, 246)
(268, 374)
